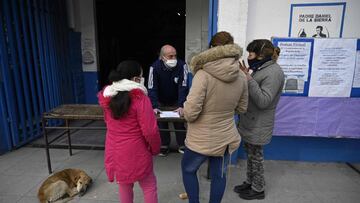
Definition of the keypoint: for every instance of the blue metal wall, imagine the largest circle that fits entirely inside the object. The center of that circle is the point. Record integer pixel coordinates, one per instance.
(35, 75)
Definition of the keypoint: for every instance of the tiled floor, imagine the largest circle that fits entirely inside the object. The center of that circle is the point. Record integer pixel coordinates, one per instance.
(23, 170)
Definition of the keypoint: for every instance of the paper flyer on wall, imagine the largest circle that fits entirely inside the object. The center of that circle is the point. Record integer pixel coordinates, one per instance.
(294, 61)
(88, 55)
(332, 68)
(356, 83)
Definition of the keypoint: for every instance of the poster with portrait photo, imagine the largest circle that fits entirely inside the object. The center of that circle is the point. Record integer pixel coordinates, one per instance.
(321, 20)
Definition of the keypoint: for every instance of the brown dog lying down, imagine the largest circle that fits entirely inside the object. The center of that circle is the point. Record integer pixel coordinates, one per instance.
(64, 185)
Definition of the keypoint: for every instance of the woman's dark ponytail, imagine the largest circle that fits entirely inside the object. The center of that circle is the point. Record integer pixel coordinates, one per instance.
(276, 54)
(120, 103)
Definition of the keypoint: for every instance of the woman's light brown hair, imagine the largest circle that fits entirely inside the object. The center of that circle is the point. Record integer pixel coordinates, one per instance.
(221, 38)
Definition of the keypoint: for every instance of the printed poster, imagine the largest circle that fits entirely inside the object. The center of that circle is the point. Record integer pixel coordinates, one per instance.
(323, 20)
(89, 63)
(356, 83)
(333, 67)
(294, 60)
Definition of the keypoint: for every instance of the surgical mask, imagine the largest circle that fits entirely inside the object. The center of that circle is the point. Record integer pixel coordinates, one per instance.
(142, 81)
(171, 63)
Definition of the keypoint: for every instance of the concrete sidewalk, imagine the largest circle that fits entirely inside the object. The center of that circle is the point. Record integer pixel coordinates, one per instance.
(23, 170)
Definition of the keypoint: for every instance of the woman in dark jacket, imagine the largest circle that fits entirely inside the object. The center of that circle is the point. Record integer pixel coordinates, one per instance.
(265, 83)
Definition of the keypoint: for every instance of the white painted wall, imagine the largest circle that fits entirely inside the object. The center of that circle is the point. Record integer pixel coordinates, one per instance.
(233, 18)
(196, 36)
(247, 20)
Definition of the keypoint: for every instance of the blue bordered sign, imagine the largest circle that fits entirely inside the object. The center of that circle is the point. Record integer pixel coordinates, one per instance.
(321, 20)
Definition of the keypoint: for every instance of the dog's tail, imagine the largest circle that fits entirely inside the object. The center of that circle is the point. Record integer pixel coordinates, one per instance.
(41, 197)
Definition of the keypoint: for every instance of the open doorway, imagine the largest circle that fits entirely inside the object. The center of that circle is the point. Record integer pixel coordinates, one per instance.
(136, 30)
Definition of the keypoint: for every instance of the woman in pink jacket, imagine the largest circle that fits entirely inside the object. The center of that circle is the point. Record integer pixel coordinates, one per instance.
(132, 137)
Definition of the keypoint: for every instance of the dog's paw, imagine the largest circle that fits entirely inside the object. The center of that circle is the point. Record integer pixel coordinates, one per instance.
(74, 192)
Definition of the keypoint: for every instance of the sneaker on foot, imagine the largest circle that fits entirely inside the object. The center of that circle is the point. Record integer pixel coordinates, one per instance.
(164, 151)
(251, 194)
(242, 187)
(181, 149)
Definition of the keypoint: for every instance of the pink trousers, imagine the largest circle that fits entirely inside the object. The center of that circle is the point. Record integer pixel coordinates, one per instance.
(148, 186)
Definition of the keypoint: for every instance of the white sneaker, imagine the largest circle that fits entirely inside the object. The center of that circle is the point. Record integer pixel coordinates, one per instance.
(181, 149)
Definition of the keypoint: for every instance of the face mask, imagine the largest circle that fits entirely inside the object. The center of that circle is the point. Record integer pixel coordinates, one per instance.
(142, 81)
(252, 63)
(171, 63)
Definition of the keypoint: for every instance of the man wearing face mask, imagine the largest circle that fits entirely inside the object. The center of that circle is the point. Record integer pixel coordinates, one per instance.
(168, 87)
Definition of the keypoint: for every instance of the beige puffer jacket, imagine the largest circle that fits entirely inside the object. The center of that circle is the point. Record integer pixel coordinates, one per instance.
(219, 90)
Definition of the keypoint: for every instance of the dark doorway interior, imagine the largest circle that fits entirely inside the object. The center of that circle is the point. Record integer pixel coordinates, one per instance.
(136, 30)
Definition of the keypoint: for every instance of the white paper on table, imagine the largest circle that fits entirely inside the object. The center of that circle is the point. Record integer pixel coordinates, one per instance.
(169, 114)
(332, 68)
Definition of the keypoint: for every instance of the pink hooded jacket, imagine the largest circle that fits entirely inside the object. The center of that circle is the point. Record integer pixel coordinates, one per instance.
(132, 140)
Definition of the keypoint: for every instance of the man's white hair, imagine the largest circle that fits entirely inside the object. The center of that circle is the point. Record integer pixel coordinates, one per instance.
(162, 50)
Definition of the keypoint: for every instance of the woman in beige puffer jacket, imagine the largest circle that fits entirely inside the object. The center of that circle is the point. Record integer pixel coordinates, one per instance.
(218, 91)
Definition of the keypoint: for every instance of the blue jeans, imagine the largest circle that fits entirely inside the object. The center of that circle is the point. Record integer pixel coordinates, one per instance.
(191, 163)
